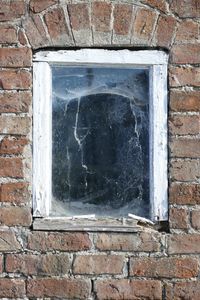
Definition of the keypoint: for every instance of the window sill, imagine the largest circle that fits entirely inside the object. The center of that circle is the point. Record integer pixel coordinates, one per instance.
(91, 225)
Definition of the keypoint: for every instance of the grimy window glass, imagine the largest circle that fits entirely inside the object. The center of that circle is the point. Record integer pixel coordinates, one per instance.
(100, 141)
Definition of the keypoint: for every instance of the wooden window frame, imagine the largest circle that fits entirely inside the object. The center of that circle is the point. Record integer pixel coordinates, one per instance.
(157, 62)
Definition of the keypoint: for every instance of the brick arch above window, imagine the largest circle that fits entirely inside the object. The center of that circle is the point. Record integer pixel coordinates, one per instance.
(146, 23)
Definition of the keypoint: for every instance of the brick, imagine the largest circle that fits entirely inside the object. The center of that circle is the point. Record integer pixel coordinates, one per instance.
(101, 16)
(40, 265)
(182, 101)
(185, 170)
(8, 241)
(15, 125)
(35, 32)
(11, 10)
(12, 288)
(125, 289)
(11, 167)
(183, 290)
(145, 242)
(181, 193)
(178, 218)
(8, 34)
(186, 8)
(185, 54)
(15, 79)
(184, 125)
(12, 145)
(188, 32)
(195, 219)
(143, 26)
(170, 267)
(42, 241)
(160, 5)
(22, 37)
(184, 147)
(57, 27)
(165, 31)
(40, 5)
(182, 76)
(15, 57)
(15, 216)
(59, 288)
(79, 16)
(122, 18)
(15, 193)
(15, 102)
(184, 244)
(98, 264)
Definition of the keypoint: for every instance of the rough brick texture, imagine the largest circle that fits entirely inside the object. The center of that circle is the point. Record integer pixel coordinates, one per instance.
(146, 264)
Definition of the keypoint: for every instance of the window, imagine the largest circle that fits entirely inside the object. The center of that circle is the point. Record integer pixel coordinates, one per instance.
(100, 134)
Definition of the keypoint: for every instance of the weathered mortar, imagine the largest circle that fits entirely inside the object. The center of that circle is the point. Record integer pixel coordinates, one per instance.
(63, 265)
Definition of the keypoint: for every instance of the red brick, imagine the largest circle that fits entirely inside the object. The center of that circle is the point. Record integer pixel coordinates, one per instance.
(22, 37)
(184, 244)
(160, 5)
(145, 242)
(181, 76)
(12, 145)
(11, 167)
(181, 193)
(15, 79)
(42, 264)
(185, 170)
(195, 219)
(170, 267)
(178, 218)
(184, 147)
(186, 8)
(183, 290)
(165, 31)
(15, 102)
(56, 25)
(188, 32)
(182, 101)
(11, 10)
(14, 125)
(40, 5)
(8, 241)
(15, 57)
(79, 16)
(66, 241)
(8, 34)
(125, 289)
(35, 32)
(12, 288)
(98, 264)
(143, 25)
(59, 288)
(122, 18)
(184, 125)
(15, 216)
(101, 16)
(16, 192)
(185, 54)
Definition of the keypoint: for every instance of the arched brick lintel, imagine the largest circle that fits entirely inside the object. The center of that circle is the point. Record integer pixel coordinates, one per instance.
(108, 24)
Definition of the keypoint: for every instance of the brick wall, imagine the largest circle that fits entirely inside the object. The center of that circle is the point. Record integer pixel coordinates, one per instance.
(143, 265)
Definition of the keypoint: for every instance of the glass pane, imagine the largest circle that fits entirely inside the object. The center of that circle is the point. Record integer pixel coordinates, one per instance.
(100, 150)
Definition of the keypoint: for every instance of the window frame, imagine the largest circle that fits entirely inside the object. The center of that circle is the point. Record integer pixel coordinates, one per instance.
(157, 62)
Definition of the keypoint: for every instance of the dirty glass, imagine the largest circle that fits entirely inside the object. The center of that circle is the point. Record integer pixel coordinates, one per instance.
(100, 141)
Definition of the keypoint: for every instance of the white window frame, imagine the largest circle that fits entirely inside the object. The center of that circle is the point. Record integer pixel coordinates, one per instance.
(42, 119)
